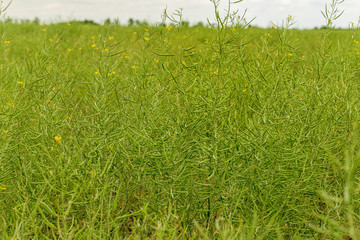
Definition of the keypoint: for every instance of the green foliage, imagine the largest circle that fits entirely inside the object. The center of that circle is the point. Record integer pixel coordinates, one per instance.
(174, 132)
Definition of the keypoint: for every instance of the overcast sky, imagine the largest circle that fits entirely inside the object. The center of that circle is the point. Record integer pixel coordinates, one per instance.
(306, 12)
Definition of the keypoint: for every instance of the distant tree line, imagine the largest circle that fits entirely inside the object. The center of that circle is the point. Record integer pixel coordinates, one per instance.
(108, 21)
(136, 22)
(130, 22)
(38, 22)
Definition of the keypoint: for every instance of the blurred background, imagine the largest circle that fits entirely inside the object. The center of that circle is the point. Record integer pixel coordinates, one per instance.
(307, 13)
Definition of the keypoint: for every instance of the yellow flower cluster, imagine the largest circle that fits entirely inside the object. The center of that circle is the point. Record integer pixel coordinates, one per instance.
(57, 139)
(357, 46)
(111, 73)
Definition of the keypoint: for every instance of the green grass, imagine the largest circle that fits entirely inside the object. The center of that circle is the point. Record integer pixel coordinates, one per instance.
(227, 133)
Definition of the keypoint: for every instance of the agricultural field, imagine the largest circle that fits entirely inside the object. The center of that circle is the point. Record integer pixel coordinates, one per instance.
(177, 132)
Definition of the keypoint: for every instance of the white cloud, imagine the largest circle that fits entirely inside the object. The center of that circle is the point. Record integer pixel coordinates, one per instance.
(51, 6)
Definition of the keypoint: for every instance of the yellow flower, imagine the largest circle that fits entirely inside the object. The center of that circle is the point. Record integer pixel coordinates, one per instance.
(113, 72)
(93, 45)
(6, 131)
(7, 42)
(244, 90)
(3, 188)
(127, 57)
(69, 49)
(106, 50)
(168, 28)
(57, 139)
(92, 37)
(20, 83)
(146, 38)
(71, 137)
(111, 38)
(133, 67)
(146, 29)
(290, 54)
(96, 73)
(69, 24)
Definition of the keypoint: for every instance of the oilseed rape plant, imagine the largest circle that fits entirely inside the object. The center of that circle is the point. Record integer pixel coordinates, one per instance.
(171, 131)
